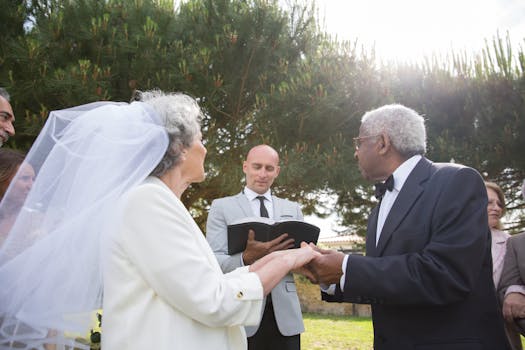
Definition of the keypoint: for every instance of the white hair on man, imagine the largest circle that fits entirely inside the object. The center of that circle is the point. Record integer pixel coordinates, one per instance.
(404, 126)
(4, 94)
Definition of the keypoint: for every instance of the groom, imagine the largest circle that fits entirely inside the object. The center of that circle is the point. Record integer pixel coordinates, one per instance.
(281, 322)
(427, 272)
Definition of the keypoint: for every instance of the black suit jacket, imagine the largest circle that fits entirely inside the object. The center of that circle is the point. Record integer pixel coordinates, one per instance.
(429, 280)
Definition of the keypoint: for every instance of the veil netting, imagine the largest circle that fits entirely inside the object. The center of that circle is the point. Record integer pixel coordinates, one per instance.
(85, 158)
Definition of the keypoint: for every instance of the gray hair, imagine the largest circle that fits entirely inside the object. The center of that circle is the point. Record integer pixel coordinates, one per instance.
(404, 126)
(181, 116)
(4, 94)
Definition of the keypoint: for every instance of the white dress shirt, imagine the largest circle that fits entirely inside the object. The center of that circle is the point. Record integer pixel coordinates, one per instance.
(400, 176)
(256, 204)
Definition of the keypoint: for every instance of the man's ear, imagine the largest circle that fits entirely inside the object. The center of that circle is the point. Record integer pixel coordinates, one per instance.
(384, 143)
(244, 166)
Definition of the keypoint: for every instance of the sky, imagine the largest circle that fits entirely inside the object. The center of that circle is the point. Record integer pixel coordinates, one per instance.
(405, 30)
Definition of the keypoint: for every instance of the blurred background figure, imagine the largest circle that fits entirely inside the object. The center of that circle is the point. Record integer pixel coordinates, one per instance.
(7, 117)
(511, 287)
(10, 162)
(495, 210)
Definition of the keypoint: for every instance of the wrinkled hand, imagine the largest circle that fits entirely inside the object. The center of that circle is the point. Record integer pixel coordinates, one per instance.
(301, 256)
(326, 268)
(298, 258)
(257, 249)
(514, 306)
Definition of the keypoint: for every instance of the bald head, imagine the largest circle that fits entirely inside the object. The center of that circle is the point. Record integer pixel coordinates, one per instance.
(261, 168)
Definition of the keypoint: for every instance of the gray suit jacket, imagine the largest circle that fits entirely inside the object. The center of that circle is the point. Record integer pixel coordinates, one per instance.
(514, 270)
(223, 212)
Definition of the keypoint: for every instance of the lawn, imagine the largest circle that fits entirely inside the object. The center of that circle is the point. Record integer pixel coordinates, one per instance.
(336, 333)
(339, 332)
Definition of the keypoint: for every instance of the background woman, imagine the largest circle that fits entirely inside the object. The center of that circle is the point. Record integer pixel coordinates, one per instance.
(495, 211)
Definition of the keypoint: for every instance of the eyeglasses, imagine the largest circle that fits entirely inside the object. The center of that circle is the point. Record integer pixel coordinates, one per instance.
(359, 139)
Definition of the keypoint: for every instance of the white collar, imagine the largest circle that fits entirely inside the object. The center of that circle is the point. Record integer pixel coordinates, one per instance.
(402, 171)
(251, 195)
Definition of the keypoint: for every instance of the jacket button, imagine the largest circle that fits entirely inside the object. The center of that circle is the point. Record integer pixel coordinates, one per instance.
(240, 295)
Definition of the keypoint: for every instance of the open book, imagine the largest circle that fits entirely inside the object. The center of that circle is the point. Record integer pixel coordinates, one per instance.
(267, 229)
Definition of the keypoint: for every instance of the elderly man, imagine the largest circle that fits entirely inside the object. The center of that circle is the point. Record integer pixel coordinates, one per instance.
(427, 271)
(512, 287)
(281, 322)
(6, 117)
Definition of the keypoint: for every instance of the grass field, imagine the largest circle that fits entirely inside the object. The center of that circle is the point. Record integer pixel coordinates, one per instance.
(339, 333)
(336, 333)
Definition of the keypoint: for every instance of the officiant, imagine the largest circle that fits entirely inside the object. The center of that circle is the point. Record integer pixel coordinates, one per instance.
(281, 321)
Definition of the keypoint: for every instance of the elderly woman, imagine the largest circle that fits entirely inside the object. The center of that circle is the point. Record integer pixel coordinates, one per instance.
(495, 210)
(109, 189)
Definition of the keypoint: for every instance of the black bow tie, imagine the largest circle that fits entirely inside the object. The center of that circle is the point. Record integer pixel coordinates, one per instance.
(382, 187)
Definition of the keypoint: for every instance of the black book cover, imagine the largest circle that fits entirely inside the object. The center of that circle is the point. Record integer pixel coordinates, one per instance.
(267, 229)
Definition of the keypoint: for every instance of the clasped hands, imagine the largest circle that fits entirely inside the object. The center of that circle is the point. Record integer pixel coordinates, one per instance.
(318, 265)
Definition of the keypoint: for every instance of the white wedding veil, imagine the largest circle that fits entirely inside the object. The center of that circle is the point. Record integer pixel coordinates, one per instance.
(84, 159)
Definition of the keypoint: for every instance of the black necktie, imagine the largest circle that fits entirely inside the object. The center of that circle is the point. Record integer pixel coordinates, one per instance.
(382, 187)
(264, 212)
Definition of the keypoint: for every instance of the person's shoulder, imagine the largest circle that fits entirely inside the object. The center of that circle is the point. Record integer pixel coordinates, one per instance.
(285, 201)
(451, 169)
(519, 237)
(224, 200)
(151, 187)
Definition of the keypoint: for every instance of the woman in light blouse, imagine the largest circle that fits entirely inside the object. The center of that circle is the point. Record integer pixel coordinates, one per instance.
(495, 210)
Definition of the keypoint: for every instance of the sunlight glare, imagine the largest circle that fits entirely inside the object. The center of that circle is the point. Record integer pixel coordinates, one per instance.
(408, 29)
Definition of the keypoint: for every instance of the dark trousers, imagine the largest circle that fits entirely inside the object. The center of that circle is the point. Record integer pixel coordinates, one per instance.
(268, 336)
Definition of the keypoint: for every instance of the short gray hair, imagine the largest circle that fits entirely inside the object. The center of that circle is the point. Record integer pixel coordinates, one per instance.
(4, 94)
(404, 126)
(181, 116)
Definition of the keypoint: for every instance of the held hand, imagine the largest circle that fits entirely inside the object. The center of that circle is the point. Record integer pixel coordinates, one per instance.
(514, 306)
(257, 249)
(298, 258)
(327, 267)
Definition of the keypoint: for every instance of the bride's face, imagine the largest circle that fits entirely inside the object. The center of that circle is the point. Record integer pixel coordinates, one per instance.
(194, 160)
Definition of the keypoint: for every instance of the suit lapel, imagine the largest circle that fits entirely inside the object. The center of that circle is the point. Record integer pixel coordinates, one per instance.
(244, 204)
(371, 233)
(410, 192)
(277, 208)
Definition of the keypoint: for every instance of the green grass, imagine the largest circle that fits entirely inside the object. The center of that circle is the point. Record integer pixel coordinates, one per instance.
(339, 332)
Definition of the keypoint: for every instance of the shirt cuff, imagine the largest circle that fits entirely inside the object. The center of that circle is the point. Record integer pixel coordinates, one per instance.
(515, 288)
(342, 282)
(330, 289)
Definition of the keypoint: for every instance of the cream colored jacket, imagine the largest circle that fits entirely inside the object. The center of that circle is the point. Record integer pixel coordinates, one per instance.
(163, 287)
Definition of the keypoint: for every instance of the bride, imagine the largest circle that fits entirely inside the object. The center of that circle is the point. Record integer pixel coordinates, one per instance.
(108, 187)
